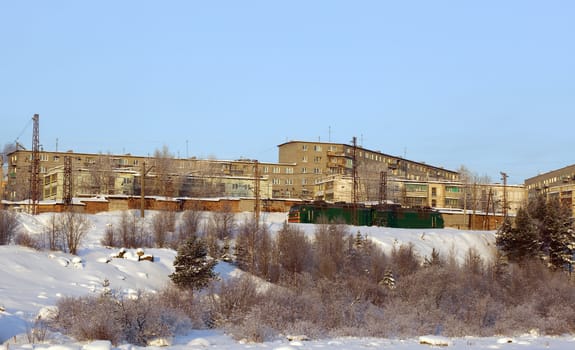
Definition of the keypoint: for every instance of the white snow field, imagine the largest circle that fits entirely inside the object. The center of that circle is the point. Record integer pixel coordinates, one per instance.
(32, 281)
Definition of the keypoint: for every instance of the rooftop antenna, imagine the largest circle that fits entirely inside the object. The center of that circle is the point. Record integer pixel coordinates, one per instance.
(329, 133)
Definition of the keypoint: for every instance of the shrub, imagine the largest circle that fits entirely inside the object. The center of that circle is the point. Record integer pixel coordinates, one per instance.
(121, 319)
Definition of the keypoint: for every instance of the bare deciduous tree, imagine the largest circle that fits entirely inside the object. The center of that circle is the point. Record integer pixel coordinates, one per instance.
(53, 234)
(8, 226)
(189, 224)
(163, 226)
(74, 227)
(101, 179)
(294, 250)
(222, 222)
(167, 181)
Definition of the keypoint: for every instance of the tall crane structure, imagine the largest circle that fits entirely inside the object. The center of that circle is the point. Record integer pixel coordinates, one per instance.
(67, 181)
(35, 167)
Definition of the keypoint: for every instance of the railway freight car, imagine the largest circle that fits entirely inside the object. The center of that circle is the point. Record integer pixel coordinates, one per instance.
(378, 215)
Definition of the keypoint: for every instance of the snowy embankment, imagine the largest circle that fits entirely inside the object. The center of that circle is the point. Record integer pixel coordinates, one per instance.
(34, 280)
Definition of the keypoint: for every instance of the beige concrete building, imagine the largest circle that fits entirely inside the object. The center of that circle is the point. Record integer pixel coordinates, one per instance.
(108, 174)
(485, 198)
(312, 163)
(305, 170)
(558, 183)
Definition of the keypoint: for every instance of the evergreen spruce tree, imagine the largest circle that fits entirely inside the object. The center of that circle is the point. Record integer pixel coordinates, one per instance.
(433, 260)
(561, 236)
(537, 209)
(520, 242)
(388, 280)
(193, 268)
(504, 238)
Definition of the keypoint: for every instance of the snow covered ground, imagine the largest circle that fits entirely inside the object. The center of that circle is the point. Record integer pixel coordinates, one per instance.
(31, 281)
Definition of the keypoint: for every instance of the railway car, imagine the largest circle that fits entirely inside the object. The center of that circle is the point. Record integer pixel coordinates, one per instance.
(396, 216)
(317, 212)
(387, 215)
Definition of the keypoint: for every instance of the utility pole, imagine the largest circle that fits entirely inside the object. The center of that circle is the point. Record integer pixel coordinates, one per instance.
(143, 173)
(1, 177)
(35, 167)
(504, 178)
(257, 194)
(354, 179)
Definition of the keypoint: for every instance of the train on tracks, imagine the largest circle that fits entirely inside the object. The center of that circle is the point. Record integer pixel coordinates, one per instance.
(387, 215)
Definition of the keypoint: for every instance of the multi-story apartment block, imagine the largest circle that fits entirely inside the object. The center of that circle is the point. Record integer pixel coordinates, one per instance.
(486, 198)
(558, 183)
(305, 170)
(121, 174)
(315, 162)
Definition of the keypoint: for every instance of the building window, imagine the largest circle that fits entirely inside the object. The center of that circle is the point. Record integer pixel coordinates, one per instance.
(434, 192)
(276, 170)
(289, 181)
(304, 181)
(317, 148)
(304, 170)
(452, 189)
(304, 159)
(304, 147)
(316, 159)
(289, 170)
(316, 170)
(416, 188)
(276, 181)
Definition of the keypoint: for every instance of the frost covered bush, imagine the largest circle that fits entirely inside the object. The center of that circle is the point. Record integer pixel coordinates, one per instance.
(231, 300)
(135, 320)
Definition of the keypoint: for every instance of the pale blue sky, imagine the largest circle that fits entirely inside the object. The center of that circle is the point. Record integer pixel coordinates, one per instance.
(485, 84)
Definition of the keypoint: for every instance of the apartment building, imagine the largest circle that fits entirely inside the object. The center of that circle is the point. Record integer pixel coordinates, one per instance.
(305, 170)
(486, 198)
(559, 183)
(121, 175)
(313, 163)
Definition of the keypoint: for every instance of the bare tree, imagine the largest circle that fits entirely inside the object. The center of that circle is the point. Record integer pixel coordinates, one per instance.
(74, 228)
(131, 231)
(163, 226)
(8, 226)
(101, 178)
(222, 222)
(294, 250)
(330, 250)
(167, 181)
(53, 234)
(190, 223)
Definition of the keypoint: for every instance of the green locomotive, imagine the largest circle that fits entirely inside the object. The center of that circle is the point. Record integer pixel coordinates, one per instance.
(364, 215)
